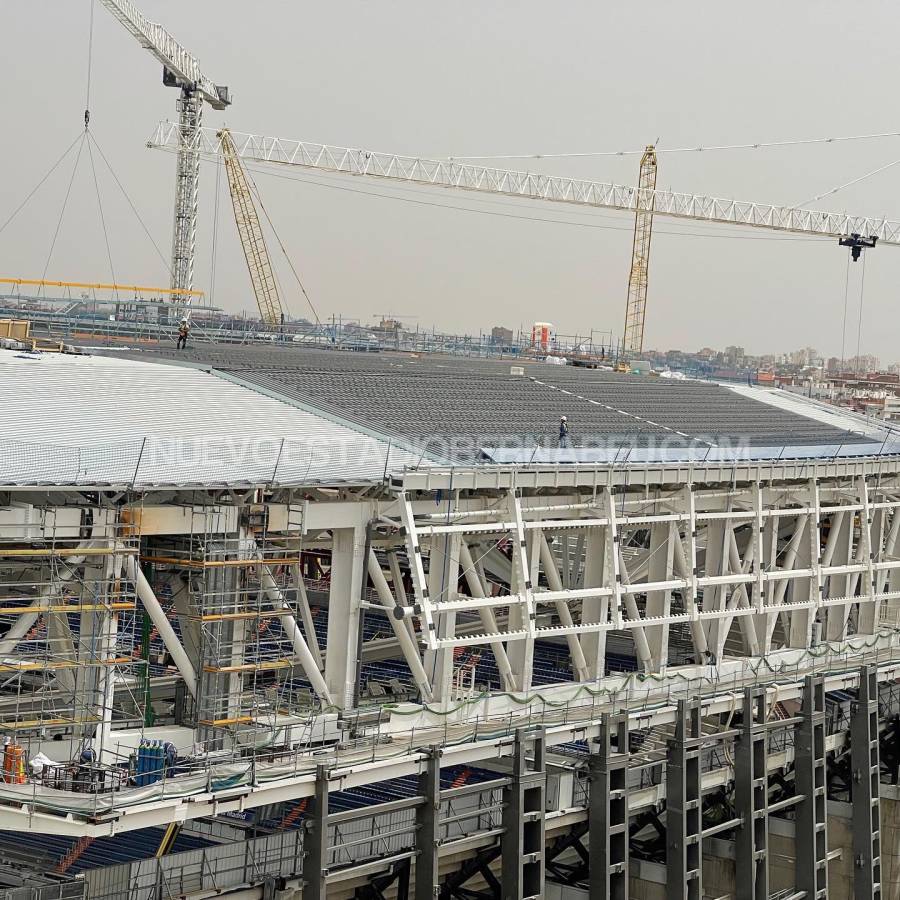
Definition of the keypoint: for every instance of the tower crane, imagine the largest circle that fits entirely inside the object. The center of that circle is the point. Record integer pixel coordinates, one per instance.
(180, 70)
(636, 305)
(858, 231)
(262, 276)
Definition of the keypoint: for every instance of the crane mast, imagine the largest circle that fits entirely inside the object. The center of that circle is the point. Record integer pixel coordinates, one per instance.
(636, 305)
(180, 70)
(252, 238)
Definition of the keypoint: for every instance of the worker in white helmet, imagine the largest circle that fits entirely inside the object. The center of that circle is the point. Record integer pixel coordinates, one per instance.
(564, 432)
(183, 331)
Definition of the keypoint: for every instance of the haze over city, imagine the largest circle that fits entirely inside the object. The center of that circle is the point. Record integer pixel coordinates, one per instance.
(492, 79)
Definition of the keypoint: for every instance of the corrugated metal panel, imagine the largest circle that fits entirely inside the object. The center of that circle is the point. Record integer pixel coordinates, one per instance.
(88, 419)
(457, 405)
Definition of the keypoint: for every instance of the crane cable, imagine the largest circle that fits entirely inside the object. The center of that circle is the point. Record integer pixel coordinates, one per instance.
(215, 237)
(90, 60)
(757, 145)
(40, 183)
(62, 212)
(862, 292)
(844, 327)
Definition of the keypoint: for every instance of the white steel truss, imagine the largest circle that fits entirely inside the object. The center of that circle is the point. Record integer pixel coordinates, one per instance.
(530, 185)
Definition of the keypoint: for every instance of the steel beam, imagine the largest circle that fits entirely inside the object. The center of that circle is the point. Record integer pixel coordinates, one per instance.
(522, 842)
(684, 807)
(751, 792)
(315, 841)
(427, 828)
(810, 823)
(866, 786)
(608, 839)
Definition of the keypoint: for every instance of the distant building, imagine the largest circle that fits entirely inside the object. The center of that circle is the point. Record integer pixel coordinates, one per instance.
(501, 335)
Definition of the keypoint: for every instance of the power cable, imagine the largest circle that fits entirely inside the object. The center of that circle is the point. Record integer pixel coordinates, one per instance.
(130, 203)
(38, 186)
(759, 145)
(62, 212)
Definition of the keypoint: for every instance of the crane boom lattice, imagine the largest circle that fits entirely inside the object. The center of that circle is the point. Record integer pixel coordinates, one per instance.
(636, 306)
(533, 186)
(253, 241)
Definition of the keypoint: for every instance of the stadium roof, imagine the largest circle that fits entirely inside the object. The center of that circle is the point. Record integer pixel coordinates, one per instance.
(465, 409)
(74, 420)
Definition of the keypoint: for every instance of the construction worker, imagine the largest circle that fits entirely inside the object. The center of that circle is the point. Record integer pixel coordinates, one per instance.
(183, 330)
(564, 432)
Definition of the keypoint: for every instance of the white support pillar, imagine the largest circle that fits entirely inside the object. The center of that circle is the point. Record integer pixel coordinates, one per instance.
(309, 626)
(740, 598)
(473, 577)
(716, 562)
(522, 615)
(838, 554)
(595, 609)
(698, 633)
(641, 647)
(871, 524)
(399, 591)
(659, 603)
(163, 625)
(305, 656)
(407, 645)
(443, 577)
(348, 566)
(788, 563)
(579, 666)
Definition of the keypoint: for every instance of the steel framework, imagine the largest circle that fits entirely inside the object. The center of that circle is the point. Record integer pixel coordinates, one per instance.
(636, 304)
(180, 70)
(253, 241)
(529, 185)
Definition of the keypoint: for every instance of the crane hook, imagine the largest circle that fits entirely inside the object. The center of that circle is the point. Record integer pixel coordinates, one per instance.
(857, 244)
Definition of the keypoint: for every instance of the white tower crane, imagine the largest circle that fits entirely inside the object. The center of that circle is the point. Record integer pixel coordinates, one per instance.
(855, 232)
(180, 70)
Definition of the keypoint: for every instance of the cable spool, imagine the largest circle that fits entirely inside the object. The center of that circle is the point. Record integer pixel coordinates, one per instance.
(14, 764)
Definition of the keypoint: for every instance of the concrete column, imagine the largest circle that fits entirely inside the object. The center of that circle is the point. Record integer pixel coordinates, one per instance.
(348, 568)
(427, 828)
(866, 789)
(608, 843)
(684, 807)
(522, 842)
(810, 824)
(751, 792)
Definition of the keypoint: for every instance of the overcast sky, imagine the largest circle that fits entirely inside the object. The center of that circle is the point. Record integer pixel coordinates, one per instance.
(480, 78)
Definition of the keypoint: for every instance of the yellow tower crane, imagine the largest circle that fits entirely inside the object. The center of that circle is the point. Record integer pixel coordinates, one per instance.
(636, 308)
(253, 241)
